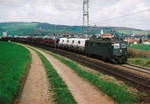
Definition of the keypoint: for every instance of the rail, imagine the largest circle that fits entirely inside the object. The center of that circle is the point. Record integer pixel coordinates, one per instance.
(137, 68)
(132, 79)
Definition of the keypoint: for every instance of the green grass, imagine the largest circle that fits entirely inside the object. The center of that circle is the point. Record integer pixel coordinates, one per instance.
(61, 93)
(117, 92)
(140, 46)
(139, 55)
(140, 61)
(13, 62)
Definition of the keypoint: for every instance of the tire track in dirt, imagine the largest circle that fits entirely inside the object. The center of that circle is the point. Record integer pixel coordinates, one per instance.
(83, 92)
(36, 86)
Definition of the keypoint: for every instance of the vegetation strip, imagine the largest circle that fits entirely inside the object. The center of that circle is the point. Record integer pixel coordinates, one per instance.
(118, 92)
(145, 62)
(140, 47)
(139, 55)
(61, 93)
(14, 62)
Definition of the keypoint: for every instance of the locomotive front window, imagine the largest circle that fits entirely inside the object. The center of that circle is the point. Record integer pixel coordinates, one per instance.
(123, 45)
(73, 41)
(79, 42)
(116, 45)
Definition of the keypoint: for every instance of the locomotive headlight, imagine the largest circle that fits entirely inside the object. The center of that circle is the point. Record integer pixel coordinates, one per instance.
(116, 45)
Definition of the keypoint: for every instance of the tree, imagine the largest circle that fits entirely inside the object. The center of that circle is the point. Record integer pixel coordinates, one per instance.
(140, 41)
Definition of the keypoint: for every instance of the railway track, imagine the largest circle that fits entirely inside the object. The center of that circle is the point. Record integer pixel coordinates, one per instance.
(131, 79)
(137, 68)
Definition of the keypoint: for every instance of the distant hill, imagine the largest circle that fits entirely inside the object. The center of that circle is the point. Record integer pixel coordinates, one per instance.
(131, 31)
(37, 28)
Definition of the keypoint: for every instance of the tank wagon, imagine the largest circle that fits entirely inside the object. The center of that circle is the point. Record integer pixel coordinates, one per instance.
(74, 44)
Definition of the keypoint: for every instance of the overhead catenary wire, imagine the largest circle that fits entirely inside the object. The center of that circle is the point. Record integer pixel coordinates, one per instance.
(126, 15)
(126, 20)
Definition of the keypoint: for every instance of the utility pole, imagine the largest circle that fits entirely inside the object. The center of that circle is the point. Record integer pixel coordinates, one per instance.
(55, 29)
(55, 34)
(85, 16)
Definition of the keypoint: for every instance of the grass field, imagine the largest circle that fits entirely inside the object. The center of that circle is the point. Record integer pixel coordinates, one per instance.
(121, 95)
(140, 46)
(139, 55)
(13, 62)
(140, 61)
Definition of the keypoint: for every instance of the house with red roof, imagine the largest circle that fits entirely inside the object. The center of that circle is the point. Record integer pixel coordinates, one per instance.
(131, 41)
(106, 35)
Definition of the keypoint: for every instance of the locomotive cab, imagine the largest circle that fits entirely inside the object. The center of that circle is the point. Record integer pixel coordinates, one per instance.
(119, 53)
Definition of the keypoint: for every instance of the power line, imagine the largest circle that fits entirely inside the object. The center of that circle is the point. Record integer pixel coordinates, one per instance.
(123, 20)
(127, 20)
(125, 15)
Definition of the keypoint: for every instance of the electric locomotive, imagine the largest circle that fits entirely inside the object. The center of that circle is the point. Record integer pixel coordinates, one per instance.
(108, 49)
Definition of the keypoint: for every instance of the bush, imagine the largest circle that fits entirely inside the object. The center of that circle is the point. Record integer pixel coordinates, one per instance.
(134, 53)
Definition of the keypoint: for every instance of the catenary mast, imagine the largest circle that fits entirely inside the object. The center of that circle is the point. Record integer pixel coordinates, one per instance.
(85, 15)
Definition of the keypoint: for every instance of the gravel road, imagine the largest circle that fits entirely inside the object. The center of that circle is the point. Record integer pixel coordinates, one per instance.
(36, 86)
(83, 92)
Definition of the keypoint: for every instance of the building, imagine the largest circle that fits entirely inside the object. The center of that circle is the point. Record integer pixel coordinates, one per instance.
(146, 41)
(106, 35)
(131, 40)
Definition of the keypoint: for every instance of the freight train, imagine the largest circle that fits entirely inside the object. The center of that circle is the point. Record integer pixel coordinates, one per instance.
(113, 50)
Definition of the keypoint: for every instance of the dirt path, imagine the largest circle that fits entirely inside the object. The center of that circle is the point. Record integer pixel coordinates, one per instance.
(36, 86)
(83, 92)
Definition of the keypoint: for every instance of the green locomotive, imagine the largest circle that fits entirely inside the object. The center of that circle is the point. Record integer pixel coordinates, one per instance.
(108, 49)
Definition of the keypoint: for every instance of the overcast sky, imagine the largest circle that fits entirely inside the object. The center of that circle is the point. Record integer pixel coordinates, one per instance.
(129, 13)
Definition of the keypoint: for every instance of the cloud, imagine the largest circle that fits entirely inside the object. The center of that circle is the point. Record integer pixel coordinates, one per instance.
(69, 12)
(123, 13)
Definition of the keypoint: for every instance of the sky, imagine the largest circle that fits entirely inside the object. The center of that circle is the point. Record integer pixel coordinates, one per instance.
(120, 13)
